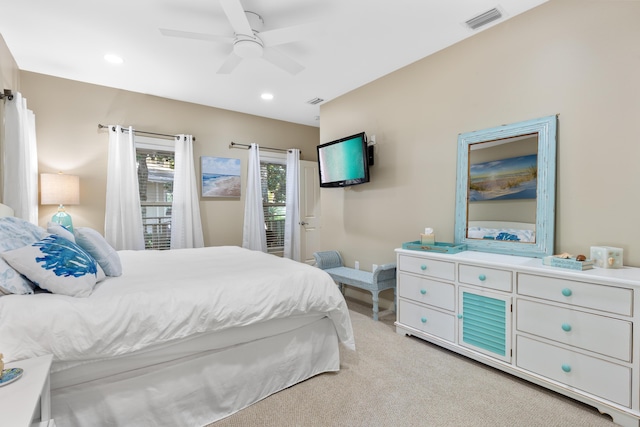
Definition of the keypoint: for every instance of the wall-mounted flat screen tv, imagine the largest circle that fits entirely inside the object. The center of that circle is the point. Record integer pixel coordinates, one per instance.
(344, 162)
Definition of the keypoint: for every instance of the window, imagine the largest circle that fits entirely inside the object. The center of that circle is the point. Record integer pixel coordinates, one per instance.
(273, 177)
(156, 161)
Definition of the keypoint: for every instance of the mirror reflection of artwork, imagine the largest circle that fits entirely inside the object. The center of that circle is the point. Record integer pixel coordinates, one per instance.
(513, 219)
(512, 178)
(220, 177)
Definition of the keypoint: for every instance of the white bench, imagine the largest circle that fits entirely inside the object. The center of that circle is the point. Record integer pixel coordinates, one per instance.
(384, 277)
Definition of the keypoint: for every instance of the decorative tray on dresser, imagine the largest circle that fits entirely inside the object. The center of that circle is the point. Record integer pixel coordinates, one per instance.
(570, 331)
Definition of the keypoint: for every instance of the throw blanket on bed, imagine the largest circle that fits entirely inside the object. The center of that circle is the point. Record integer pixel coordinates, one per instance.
(164, 296)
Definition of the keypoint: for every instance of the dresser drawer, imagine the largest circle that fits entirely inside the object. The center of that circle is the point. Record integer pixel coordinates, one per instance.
(600, 334)
(427, 291)
(583, 294)
(427, 267)
(486, 277)
(426, 320)
(605, 379)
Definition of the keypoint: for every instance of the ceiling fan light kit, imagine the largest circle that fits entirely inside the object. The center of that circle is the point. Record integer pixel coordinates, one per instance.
(248, 47)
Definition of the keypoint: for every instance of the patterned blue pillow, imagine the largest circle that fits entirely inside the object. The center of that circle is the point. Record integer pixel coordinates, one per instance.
(16, 233)
(57, 265)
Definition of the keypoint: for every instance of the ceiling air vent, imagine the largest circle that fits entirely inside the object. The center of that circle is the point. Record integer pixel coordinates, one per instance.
(315, 101)
(484, 18)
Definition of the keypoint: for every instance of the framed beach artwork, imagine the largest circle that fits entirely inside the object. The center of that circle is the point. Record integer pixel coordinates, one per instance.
(512, 178)
(220, 177)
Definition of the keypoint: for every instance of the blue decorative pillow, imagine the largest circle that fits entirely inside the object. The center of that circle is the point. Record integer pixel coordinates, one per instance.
(506, 236)
(57, 265)
(16, 233)
(93, 242)
(60, 230)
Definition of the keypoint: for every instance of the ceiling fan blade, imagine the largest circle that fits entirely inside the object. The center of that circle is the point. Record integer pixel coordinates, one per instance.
(237, 18)
(291, 34)
(195, 36)
(229, 64)
(283, 61)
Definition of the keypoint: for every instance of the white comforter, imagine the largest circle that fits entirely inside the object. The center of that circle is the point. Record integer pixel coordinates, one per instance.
(163, 296)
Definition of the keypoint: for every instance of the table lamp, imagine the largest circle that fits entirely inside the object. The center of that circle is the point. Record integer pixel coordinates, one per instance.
(60, 189)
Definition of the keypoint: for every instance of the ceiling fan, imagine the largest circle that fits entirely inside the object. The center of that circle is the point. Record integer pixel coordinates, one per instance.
(249, 42)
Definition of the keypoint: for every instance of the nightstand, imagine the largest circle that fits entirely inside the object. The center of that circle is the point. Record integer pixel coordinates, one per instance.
(19, 399)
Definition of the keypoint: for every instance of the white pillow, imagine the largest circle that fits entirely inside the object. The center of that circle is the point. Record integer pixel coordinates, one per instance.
(93, 242)
(57, 265)
(59, 230)
(16, 233)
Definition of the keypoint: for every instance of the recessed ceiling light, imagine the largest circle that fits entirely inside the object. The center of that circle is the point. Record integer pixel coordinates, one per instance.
(267, 96)
(114, 59)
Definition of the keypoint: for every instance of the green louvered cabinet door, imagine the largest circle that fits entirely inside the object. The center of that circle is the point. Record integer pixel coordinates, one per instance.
(485, 322)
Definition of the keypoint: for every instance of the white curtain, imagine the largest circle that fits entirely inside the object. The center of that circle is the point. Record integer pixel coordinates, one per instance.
(186, 227)
(123, 216)
(20, 158)
(253, 234)
(292, 211)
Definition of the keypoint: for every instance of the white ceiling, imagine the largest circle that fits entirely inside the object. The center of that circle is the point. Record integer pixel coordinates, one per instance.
(362, 41)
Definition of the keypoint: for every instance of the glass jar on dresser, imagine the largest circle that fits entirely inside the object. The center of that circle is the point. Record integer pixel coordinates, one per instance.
(570, 331)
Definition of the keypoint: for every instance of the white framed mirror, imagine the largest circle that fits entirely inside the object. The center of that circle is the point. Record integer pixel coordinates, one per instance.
(505, 195)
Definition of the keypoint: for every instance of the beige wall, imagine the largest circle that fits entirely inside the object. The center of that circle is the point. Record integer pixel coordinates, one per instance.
(10, 78)
(9, 74)
(67, 116)
(579, 59)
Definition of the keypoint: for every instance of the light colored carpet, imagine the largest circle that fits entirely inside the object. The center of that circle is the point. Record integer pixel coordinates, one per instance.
(394, 380)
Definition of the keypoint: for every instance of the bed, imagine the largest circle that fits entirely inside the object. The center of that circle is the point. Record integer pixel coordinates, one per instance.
(522, 232)
(180, 338)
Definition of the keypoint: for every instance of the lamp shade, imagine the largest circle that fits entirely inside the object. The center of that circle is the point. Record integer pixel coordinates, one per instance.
(59, 189)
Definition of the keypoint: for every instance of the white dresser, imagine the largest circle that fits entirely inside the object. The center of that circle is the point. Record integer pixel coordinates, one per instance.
(570, 331)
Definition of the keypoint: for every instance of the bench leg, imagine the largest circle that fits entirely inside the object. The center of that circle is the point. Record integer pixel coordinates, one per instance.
(394, 300)
(376, 308)
(375, 304)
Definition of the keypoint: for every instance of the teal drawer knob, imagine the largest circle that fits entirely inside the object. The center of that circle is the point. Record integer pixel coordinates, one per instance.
(482, 277)
(566, 367)
(459, 315)
(423, 320)
(423, 291)
(423, 267)
(566, 327)
(566, 292)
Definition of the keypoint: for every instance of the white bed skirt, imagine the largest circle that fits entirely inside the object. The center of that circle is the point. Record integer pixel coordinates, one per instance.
(201, 388)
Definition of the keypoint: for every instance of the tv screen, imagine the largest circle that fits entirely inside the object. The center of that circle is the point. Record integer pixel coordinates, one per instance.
(344, 162)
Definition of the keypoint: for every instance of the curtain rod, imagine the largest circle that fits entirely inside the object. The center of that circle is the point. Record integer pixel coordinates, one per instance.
(234, 144)
(7, 93)
(100, 126)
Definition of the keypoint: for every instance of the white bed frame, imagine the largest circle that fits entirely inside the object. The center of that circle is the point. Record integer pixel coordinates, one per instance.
(5, 210)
